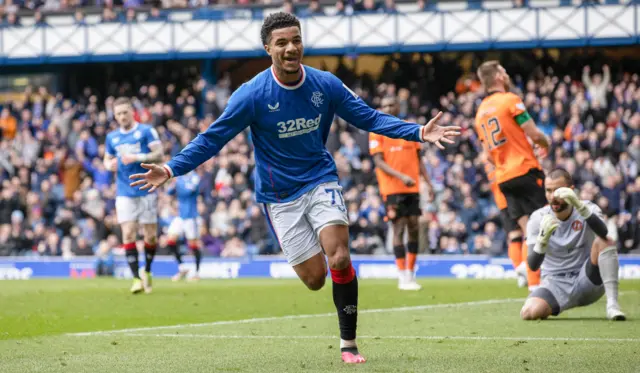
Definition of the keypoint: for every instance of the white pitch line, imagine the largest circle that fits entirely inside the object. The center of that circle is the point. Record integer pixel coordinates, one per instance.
(291, 317)
(413, 337)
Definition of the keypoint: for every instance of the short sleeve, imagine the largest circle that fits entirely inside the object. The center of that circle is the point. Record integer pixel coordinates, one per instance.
(152, 136)
(517, 110)
(109, 147)
(376, 143)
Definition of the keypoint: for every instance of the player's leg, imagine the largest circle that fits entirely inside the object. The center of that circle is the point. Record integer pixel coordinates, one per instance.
(399, 225)
(603, 269)
(335, 241)
(327, 215)
(129, 233)
(533, 199)
(516, 240)
(535, 309)
(149, 221)
(549, 299)
(150, 232)
(298, 241)
(533, 277)
(126, 214)
(412, 252)
(192, 232)
(524, 195)
(176, 230)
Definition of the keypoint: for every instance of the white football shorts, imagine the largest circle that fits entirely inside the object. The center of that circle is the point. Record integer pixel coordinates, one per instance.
(297, 224)
(187, 227)
(143, 210)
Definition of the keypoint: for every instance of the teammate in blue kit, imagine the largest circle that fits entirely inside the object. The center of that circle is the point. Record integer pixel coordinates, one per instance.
(186, 189)
(289, 109)
(126, 149)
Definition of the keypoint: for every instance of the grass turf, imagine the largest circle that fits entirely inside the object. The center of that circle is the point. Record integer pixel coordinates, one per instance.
(37, 316)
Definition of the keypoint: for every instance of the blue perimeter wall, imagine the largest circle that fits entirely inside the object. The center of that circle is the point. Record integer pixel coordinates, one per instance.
(276, 267)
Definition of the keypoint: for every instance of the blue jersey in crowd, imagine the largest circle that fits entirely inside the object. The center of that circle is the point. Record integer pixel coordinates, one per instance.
(137, 140)
(289, 127)
(187, 190)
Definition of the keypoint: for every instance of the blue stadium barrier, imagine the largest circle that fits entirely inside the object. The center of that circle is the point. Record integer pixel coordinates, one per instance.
(207, 35)
(477, 267)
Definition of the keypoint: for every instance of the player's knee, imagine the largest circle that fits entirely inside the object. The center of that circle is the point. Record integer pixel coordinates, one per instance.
(600, 244)
(128, 237)
(528, 313)
(515, 235)
(315, 283)
(340, 259)
(151, 240)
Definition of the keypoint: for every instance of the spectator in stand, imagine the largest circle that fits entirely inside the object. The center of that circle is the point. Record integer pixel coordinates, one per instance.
(51, 146)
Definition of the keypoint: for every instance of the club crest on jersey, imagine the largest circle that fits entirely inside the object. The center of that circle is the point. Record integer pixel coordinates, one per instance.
(116, 140)
(137, 135)
(316, 98)
(274, 108)
(577, 225)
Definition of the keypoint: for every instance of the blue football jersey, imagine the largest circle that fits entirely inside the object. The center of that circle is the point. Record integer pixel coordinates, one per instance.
(187, 190)
(289, 127)
(137, 140)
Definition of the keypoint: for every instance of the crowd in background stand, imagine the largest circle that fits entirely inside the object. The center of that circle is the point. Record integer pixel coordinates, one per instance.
(57, 199)
(37, 11)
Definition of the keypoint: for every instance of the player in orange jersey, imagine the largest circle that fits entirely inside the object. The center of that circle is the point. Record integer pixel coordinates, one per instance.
(514, 233)
(398, 169)
(503, 125)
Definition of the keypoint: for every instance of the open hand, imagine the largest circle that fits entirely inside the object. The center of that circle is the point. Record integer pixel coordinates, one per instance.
(154, 178)
(435, 133)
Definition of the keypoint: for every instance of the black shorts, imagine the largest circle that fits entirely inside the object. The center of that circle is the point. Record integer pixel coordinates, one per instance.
(403, 205)
(524, 194)
(508, 224)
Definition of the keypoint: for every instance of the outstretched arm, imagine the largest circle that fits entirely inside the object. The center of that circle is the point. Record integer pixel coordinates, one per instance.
(237, 116)
(355, 111)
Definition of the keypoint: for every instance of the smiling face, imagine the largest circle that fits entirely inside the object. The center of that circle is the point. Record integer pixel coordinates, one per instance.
(286, 50)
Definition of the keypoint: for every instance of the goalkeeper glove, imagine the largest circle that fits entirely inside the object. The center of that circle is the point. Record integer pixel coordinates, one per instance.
(569, 196)
(547, 227)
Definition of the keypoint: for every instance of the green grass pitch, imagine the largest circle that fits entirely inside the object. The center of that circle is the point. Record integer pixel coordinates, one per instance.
(257, 325)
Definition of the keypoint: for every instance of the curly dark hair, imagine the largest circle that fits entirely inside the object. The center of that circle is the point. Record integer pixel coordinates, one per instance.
(277, 21)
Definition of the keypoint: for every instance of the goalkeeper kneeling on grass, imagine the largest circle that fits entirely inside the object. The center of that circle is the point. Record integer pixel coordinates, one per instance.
(579, 263)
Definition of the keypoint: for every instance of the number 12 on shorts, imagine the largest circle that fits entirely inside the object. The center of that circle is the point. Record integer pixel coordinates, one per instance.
(333, 192)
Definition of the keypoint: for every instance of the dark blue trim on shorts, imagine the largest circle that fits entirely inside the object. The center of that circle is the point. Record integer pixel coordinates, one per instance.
(266, 213)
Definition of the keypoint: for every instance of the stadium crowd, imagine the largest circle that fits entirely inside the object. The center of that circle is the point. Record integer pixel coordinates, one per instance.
(57, 199)
(133, 10)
